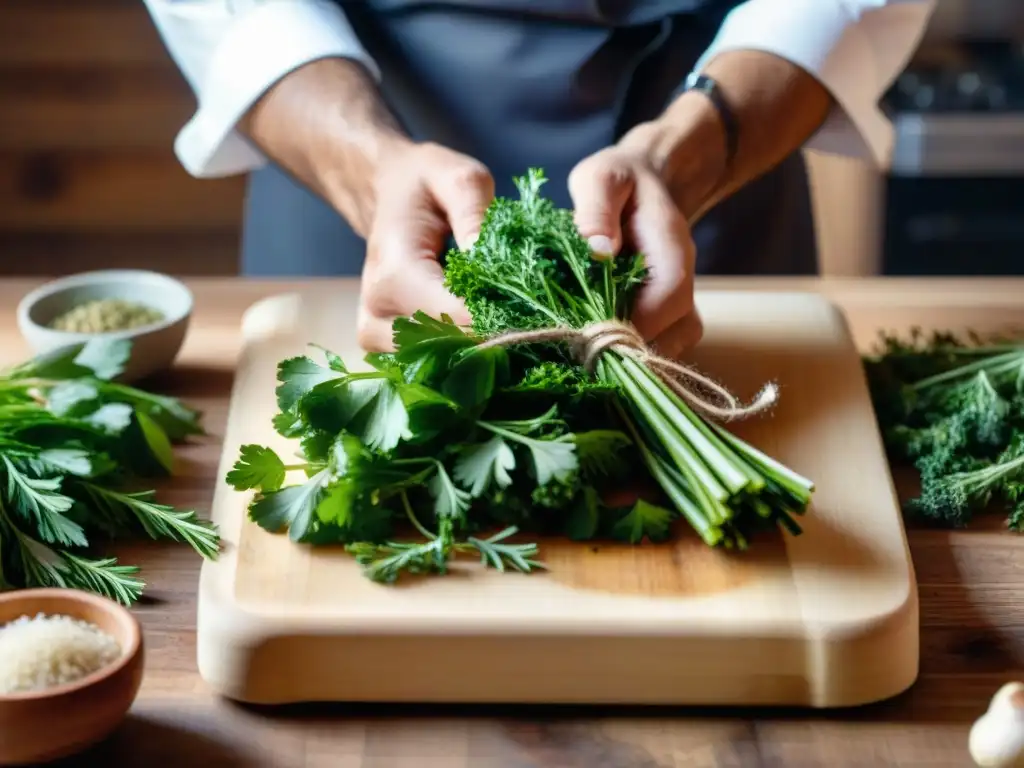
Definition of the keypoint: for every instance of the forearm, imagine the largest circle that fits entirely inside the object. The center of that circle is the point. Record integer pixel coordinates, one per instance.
(326, 124)
(794, 72)
(777, 107)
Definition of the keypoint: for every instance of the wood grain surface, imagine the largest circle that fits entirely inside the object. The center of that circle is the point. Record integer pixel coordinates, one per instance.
(828, 618)
(970, 584)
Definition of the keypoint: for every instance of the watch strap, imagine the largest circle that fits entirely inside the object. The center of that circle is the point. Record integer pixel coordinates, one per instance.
(710, 88)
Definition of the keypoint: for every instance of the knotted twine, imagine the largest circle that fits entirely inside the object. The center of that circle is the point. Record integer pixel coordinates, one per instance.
(695, 389)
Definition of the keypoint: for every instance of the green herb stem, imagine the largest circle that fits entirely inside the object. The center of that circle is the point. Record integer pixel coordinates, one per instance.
(674, 489)
(1002, 363)
(677, 447)
(720, 459)
(778, 472)
(412, 517)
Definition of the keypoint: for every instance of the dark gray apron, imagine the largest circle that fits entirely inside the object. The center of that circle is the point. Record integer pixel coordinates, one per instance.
(515, 84)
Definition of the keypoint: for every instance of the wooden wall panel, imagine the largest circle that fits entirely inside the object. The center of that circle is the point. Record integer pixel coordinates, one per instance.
(111, 108)
(110, 192)
(90, 103)
(76, 32)
(176, 253)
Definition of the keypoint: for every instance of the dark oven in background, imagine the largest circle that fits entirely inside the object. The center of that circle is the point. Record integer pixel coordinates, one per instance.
(955, 191)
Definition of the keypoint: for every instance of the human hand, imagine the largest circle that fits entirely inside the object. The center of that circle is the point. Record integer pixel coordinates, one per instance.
(423, 192)
(622, 203)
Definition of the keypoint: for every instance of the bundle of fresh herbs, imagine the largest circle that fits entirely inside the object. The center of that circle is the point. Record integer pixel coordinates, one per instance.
(954, 407)
(71, 441)
(523, 423)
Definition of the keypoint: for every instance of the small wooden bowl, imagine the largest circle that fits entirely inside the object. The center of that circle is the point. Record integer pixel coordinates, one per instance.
(42, 726)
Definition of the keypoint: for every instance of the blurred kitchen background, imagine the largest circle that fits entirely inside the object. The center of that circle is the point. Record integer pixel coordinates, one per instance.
(90, 103)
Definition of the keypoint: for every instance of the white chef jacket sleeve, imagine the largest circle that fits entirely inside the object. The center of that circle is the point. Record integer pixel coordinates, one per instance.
(231, 52)
(855, 48)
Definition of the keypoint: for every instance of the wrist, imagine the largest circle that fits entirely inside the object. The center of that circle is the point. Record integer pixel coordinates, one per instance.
(326, 124)
(687, 147)
(359, 135)
(350, 166)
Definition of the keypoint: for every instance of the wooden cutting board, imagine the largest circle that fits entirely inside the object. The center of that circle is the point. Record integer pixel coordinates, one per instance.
(825, 619)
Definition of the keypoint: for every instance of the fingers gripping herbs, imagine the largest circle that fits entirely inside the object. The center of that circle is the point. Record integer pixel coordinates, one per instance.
(70, 441)
(469, 444)
(955, 409)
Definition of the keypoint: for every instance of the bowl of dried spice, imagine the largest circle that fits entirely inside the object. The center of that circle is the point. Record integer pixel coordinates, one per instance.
(70, 667)
(150, 309)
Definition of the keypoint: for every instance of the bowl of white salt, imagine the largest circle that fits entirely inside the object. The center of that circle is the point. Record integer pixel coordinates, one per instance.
(70, 668)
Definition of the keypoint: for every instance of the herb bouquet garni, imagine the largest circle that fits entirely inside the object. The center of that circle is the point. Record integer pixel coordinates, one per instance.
(73, 442)
(468, 440)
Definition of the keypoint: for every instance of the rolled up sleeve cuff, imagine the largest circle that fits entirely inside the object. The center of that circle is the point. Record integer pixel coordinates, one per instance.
(855, 50)
(258, 48)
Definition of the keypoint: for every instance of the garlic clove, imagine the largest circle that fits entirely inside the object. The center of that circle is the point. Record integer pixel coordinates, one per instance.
(997, 741)
(997, 738)
(1010, 695)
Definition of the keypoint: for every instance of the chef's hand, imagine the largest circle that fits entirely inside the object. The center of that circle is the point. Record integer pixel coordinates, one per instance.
(622, 204)
(423, 192)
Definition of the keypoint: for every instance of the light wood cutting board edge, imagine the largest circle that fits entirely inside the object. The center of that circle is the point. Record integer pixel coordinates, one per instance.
(235, 636)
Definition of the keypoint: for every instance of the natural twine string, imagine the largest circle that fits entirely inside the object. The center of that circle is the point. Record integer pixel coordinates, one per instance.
(590, 342)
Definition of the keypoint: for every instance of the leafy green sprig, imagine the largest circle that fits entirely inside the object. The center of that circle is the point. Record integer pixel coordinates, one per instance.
(375, 445)
(530, 268)
(469, 449)
(71, 438)
(954, 408)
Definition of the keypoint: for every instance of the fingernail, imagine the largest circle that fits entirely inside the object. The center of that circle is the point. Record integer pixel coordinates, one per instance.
(468, 241)
(601, 246)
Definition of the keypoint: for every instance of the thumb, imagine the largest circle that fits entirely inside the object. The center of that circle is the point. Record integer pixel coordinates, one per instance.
(463, 188)
(599, 191)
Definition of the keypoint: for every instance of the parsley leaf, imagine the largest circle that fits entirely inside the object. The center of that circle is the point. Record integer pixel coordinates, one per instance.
(427, 348)
(290, 508)
(644, 519)
(72, 461)
(298, 376)
(367, 405)
(480, 465)
(102, 358)
(599, 451)
(105, 358)
(451, 502)
(257, 467)
(553, 459)
(112, 418)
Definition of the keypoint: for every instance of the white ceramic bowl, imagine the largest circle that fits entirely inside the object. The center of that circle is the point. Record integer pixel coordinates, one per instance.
(154, 347)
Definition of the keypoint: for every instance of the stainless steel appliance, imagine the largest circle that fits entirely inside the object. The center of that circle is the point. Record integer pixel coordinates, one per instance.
(955, 190)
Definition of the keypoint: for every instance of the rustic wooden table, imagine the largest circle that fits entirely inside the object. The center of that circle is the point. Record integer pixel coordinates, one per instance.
(972, 617)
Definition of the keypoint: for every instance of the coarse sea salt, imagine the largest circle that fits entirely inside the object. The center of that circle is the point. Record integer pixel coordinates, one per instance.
(43, 651)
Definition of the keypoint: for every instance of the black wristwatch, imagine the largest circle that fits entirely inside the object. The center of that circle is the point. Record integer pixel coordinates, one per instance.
(704, 84)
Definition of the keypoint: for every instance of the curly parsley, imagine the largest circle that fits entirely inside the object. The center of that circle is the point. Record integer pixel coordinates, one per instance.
(954, 408)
